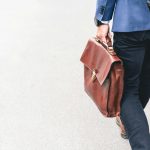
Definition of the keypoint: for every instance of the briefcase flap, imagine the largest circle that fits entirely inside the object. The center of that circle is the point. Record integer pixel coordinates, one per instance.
(97, 58)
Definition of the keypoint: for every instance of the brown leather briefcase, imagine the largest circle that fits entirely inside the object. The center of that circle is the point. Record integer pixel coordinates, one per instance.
(103, 76)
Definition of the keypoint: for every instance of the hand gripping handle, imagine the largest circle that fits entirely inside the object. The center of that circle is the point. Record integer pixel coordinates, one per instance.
(107, 46)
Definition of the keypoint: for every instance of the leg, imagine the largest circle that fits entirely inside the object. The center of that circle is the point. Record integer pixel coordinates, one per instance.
(129, 48)
(144, 89)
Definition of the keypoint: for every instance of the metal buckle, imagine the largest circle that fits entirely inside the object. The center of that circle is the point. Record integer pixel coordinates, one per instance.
(93, 75)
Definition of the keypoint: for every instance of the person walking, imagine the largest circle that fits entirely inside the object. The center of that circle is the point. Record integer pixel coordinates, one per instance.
(131, 42)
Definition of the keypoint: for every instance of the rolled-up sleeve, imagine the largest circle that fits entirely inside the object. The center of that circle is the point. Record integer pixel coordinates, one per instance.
(104, 9)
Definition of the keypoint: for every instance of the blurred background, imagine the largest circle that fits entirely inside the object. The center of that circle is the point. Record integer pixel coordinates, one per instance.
(43, 105)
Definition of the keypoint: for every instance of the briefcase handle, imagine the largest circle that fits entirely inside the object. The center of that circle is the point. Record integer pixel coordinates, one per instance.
(107, 46)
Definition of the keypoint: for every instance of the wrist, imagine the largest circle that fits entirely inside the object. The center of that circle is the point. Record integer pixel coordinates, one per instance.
(105, 22)
(99, 23)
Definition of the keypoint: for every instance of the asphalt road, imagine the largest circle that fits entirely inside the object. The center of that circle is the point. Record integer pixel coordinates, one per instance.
(43, 105)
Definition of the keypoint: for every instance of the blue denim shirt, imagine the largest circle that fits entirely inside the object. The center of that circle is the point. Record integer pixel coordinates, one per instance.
(128, 15)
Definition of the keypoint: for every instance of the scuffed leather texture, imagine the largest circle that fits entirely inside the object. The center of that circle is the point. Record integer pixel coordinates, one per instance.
(107, 89)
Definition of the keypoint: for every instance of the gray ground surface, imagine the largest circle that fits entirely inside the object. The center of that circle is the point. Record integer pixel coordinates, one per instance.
(42, 102)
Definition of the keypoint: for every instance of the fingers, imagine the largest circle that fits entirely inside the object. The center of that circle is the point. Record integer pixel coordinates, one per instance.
(103, 33)
(108, 38)
(102, 38)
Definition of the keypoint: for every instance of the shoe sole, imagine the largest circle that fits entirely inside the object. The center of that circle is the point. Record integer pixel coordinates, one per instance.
(123, 135)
